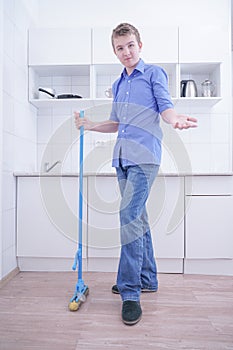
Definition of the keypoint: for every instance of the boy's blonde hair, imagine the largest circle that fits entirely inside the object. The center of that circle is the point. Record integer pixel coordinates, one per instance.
(125, 29)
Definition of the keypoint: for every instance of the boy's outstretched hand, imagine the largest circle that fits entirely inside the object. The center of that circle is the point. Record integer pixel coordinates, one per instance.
(184, 122)
(178, 121)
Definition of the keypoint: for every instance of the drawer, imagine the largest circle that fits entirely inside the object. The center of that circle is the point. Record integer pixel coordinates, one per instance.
(209, 185)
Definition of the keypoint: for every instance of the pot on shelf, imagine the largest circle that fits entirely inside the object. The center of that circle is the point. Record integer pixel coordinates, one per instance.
(46, 93)
(50, 93)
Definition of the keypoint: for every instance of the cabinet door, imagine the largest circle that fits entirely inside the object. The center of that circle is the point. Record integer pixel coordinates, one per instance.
(221, 185)
(47, 217)
(165, 210)
(166, 214)
(203, 44)
(103, 217)
(209, 225)
(160, 44)
(59, 46)
(102, 47)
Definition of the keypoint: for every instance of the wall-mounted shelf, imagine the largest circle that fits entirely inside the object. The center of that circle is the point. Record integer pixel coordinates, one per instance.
(68, 102)
(88, 103)
(197, 101)
(201, 71)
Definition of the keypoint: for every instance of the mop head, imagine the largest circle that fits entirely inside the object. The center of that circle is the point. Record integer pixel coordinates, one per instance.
(74, 306)
(76, 301)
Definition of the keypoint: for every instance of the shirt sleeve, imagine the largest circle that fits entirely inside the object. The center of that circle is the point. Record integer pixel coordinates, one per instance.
(160, 89)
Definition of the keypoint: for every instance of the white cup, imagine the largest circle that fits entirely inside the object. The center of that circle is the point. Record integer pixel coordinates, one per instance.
(108, 93)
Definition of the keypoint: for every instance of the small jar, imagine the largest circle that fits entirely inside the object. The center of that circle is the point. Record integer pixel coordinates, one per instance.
(207, 88)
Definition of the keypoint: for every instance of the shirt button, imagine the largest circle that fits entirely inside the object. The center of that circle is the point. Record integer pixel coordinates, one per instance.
(123, 131)
(129, 81)
(127, 92)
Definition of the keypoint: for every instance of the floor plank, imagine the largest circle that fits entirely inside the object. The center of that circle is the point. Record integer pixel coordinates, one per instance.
(191, 312)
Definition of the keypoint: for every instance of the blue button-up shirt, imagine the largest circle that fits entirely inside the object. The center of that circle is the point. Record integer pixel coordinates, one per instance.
(138, 101)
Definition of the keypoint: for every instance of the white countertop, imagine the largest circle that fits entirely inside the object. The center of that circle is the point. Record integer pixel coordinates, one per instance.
(67, 174)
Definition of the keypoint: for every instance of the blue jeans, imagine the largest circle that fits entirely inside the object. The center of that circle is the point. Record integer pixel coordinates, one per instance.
(137, 267)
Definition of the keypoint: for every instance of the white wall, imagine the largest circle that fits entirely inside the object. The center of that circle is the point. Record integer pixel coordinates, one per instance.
(18, 129)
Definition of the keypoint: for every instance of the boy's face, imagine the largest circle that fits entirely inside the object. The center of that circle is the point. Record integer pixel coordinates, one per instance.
(127, 50)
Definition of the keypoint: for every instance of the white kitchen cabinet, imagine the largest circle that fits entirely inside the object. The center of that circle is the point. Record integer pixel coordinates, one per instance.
(202, 51)
(55, 61)
(103, 223)
(199, 72)
(59, 58)
(59, 46)
(203, 43)
(165, 210)
(102, 46)
(208, 219)
(209, 227)
(159, 44)
(103, 217)
(166, 214)
(47, 222)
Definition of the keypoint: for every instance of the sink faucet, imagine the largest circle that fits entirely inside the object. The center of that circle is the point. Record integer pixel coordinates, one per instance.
(47, 169)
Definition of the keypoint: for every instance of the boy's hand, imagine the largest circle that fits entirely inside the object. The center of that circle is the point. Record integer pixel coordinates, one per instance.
(178, 121)
(184, 122)
(88, 125)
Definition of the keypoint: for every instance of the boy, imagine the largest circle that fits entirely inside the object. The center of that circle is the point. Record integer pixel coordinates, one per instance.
(140, 96)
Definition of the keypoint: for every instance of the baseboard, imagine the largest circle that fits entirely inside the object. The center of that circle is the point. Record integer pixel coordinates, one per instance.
(223, 267)
(47, 264)
(9, 276)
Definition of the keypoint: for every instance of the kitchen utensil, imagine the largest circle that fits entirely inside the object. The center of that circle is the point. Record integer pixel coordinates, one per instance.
(53, 95)
(188, 88)
(46, 93)
(81, 290)
(207, 88)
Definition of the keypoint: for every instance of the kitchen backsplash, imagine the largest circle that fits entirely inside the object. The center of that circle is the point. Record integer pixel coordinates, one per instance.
(205, 149)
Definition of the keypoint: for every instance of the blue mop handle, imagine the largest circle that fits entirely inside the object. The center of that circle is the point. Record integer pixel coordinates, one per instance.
(80, 198)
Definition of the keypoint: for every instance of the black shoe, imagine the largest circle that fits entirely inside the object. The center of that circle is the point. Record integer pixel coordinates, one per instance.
(131, 312)
(115, 290)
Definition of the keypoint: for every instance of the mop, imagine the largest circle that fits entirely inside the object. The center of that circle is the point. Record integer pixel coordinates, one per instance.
(81, 290)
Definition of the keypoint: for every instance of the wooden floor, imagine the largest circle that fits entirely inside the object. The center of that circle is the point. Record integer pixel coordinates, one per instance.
(188, 312)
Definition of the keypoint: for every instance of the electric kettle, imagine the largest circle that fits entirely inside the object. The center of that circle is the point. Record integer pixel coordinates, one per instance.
(188, 88)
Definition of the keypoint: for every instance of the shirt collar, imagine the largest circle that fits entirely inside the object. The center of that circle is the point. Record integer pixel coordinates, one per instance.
(140, 68)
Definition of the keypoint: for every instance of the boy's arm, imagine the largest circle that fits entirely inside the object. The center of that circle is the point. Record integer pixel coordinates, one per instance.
(178, 121)
(107, 126)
